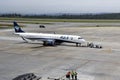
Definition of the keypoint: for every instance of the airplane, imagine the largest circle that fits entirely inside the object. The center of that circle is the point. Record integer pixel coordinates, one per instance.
(48, 39)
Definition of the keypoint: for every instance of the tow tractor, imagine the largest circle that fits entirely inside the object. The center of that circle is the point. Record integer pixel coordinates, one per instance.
(93, 45)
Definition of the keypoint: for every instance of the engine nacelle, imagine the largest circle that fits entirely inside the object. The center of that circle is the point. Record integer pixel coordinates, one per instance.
(49, 43)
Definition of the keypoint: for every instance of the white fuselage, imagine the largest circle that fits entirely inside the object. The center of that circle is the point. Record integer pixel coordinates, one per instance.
(45, 37)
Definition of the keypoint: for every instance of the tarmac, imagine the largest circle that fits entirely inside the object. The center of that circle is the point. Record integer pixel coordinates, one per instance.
(18, 57)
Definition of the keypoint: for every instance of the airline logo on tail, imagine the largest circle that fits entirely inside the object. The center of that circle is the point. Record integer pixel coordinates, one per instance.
(17, 28)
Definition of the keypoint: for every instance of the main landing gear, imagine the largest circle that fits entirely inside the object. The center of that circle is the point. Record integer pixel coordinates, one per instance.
(78, 44)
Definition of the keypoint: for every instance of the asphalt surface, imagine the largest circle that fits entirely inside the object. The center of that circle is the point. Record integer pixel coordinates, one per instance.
(18, 57)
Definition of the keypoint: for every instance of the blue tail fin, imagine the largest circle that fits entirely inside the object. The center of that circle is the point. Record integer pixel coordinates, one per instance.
(17, 28)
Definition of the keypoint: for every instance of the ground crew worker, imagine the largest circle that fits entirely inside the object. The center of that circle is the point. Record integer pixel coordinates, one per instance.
(68, 75)
(72, 75)
(75, 73)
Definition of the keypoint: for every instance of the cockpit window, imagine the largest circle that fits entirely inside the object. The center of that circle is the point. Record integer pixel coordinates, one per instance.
(80, 38)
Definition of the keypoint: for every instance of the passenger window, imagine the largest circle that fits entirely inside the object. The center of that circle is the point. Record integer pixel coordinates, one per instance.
(61, 37)
(71, 38)
(67, 37)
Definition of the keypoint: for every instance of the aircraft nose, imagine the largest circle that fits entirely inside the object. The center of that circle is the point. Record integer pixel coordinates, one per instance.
(83, 40)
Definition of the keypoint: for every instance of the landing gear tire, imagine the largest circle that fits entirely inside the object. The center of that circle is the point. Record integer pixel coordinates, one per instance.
(78, 44)
(44, 43)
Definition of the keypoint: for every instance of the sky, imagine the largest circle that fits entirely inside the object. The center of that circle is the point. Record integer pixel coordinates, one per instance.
(59, 6)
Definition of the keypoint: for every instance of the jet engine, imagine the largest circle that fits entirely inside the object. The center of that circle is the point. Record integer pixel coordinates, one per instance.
(49, 43)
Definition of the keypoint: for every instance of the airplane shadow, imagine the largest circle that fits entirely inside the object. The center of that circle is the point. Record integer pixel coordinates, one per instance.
(40, 45)
(21, 43)
(72, 45)
(34, 47)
